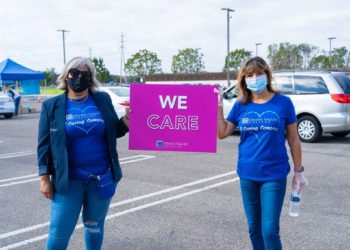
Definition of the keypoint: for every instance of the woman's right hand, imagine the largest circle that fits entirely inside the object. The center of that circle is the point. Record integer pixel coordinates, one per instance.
(46, 187)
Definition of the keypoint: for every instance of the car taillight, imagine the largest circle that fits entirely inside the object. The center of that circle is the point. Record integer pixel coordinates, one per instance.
(125, 104)
(341, 98)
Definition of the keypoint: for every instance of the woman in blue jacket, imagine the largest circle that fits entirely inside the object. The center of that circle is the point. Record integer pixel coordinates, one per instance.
(265, 119)
(77, 158)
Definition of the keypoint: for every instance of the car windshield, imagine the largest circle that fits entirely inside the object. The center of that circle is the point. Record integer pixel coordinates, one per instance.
(231, 93)
(123, 92)
(344, 83)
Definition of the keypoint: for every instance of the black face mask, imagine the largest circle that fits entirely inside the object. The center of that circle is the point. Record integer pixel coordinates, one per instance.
(80, 81)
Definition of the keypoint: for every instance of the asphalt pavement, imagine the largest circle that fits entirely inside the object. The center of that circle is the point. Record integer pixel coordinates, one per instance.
(176, 200)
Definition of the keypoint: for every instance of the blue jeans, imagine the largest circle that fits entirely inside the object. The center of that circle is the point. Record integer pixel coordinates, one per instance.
(262, 203)
(65, 210)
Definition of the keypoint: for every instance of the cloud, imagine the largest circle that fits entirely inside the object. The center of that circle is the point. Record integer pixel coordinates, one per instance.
(164, 26)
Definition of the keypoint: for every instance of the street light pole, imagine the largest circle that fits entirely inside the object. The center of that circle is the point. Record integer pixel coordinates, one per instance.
(330, 50)
(228, 44)
(330, 45)
(256, 48)
(64, 45)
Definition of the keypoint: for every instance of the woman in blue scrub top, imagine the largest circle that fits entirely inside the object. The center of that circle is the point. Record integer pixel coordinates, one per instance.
(77, 158)
(265, 119)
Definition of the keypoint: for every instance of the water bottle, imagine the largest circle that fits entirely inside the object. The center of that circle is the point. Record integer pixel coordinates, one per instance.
(294, 204)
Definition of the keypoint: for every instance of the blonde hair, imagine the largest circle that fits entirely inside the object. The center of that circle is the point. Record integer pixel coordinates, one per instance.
(253, 66)
(73, 63)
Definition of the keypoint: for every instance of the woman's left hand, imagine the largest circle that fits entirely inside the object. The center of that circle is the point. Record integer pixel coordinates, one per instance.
(126, 117)
(127, 112)
(299, 181)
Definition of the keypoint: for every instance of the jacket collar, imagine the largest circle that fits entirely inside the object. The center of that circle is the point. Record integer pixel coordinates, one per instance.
(60, 111)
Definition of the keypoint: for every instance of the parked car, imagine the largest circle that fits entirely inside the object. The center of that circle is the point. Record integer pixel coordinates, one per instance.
(120, 98)
(321, 100)
(7, 106)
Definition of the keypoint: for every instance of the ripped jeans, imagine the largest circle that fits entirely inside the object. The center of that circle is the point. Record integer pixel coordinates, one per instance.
(65, 210)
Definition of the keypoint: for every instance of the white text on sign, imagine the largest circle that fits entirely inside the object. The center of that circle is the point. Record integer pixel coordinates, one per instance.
(178, 122)
(181, 101)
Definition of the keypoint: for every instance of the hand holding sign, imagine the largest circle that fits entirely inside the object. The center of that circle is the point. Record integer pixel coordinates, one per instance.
(220, 97)
(126, 117)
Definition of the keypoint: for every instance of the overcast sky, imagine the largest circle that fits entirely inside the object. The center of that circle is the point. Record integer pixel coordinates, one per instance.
(29, 36)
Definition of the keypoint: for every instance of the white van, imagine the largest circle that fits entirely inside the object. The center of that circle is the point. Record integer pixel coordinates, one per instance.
(321, 100)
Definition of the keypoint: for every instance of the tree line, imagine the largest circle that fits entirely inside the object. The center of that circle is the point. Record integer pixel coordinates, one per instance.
(282, 56)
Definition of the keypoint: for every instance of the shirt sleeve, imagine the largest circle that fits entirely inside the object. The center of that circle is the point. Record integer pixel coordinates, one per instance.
(291, 116)
(44, 149)
(232, 116)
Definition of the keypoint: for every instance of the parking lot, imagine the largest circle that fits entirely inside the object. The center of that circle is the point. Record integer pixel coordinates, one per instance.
(176, 200)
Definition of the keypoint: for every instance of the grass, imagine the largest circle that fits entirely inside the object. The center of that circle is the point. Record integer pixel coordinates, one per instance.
(50, 91)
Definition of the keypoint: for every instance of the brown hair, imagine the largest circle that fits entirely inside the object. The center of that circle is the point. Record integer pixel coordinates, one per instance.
(252, 66)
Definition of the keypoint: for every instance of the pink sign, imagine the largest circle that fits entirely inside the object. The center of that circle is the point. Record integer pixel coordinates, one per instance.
(173, 118)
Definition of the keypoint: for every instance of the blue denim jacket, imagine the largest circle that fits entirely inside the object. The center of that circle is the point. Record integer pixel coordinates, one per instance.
(52, 149)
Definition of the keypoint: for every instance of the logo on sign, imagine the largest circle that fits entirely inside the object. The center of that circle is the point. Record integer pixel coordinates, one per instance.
(159, 144)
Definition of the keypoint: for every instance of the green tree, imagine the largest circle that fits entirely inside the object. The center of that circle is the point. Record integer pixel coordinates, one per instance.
(339, 57)
(306, 50)
(102, 73)
(272, 52)
(237, 58)
(320, 62)
(188, 61)
(50, 76)
(347, 61)
(143, 63)
(285, 56)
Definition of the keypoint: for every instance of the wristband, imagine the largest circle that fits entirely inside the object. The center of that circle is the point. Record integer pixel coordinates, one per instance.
(300, 170)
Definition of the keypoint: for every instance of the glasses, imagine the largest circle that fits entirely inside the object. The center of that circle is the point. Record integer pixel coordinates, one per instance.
(77, 73)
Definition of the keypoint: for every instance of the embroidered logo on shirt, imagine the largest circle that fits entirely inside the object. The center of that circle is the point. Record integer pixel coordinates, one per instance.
(260, 124)
(84, 120)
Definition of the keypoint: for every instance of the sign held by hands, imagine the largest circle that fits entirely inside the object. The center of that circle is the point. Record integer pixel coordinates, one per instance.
(173, 118)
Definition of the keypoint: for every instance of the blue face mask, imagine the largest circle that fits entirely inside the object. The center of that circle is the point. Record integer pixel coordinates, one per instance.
(257, 83)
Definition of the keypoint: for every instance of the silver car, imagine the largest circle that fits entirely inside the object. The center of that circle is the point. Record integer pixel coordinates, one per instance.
(7, 106)
(321, 100)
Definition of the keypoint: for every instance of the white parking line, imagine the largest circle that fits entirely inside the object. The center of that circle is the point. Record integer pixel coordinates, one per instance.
(172, 189)
(17, 154)
(18, 182)
(123, 161)
(127, 211)
(31, 228)
(17, 178)
(143, 157)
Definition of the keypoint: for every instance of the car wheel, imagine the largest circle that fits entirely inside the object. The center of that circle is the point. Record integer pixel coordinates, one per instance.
(8, 116)
(309, 129)
(341, 134)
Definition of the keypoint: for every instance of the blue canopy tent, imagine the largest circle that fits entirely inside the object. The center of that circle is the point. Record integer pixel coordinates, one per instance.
(11, 71)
